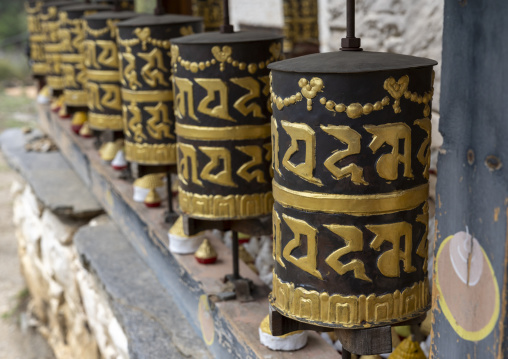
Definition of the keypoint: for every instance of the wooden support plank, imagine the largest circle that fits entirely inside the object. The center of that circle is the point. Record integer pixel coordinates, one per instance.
(470, 281)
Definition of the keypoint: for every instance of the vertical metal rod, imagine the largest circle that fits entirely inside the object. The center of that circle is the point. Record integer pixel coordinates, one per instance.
(350, 18)
(159, 9)
(226, 28)
(236, 270)
(170, 193)
(345, 354)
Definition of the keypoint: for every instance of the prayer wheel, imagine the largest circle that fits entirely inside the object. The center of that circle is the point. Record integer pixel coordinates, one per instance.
(36, 38)
(73, 54)
(351, 150)
(211, 11)
(144, 45)
(55, 44)
(301, 27)
(102, 68)
(124, 5)
(221, 84)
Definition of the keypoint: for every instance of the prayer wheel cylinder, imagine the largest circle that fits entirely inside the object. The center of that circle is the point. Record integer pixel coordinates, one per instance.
(125, 5)
(211, 11)
(144, 45)
(222, 108)
(351, 150)
(102, 68)
(73, 53)
(301, 27)
(36, 38)
(55, 43)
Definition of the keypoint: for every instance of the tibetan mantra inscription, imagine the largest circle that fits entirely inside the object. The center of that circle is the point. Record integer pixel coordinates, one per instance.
(73, 51)
(222, 107)
(351, 159)
(36, 37)
(102, 67)
(57, 41)
(147, 94)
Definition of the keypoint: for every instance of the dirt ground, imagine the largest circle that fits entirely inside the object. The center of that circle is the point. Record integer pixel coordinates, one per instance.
(17, 339)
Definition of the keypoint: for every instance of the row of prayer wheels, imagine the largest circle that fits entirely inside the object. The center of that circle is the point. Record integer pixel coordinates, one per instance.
(334, 146)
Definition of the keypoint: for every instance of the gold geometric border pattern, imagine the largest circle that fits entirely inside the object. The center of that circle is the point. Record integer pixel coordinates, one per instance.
(397, 89)
(55, 82)
(221, 207)
(162, 154)
(99, 121)
(76, 98)
(349, 311)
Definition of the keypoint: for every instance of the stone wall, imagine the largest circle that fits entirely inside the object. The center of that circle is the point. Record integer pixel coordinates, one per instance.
(401, 26)
(71, 310)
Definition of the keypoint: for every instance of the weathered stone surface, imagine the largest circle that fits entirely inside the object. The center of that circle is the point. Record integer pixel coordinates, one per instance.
(153, 324)
(54, 183)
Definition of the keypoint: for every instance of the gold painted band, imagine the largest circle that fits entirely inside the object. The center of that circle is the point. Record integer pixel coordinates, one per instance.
(356, 205)
(72, 58)
(76, 98)
(103, 76)
(247, 132)
(99, 121)
(147, 154)
(147, 96)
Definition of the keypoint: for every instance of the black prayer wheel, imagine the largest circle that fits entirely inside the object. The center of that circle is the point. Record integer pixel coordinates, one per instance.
(124, 5)
(221, 84)
(102, 68)
(144, 45)
(301, 26)
(36, 38)
(351, 150)
(211, 11)
(56, 43)
(73, 53)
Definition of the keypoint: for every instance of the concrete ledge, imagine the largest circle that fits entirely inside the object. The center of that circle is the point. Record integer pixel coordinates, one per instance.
(152, 322)
(230, 328)
(54, 182)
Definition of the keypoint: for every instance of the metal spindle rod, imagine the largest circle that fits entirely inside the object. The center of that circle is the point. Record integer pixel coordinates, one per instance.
(350, 18)
(170, 193)
(159, 9)
(236, 270)
(350, 42)
(226, 28)
(345, 354)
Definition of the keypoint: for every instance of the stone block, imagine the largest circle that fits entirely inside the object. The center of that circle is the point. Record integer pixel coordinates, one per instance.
(61, 228)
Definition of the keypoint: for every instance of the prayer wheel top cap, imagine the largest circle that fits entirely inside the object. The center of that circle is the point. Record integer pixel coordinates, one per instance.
(228, 38)
(113, 15)
(86, 7)
(154, 20)
(350, 62)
